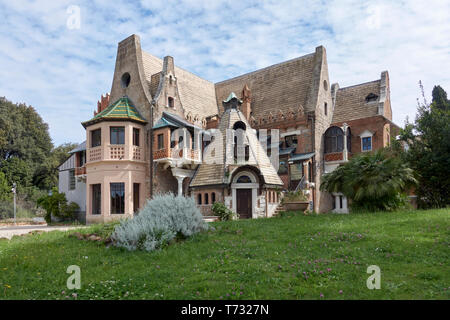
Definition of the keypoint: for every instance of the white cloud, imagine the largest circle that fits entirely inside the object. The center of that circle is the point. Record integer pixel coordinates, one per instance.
(63, 72)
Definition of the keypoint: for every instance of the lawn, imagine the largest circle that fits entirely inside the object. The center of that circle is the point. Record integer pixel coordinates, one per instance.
(289, 257)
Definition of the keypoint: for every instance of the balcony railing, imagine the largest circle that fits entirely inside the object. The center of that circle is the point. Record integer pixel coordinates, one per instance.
(79, 171)
(169, 153)
(116, 152)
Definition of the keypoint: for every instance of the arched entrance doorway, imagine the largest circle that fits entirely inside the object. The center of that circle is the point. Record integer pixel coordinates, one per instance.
(244, 190)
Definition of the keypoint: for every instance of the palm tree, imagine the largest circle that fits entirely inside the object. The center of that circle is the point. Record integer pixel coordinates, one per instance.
(373, 181)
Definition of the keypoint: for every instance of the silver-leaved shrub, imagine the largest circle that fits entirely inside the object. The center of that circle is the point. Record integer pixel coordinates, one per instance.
(163, 218)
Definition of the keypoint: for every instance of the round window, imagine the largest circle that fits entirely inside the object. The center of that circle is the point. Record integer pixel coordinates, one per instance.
(125, 80)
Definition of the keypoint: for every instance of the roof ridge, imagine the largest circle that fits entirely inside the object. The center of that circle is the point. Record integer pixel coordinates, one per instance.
(359, 84)
(268, 67)
(178, 67)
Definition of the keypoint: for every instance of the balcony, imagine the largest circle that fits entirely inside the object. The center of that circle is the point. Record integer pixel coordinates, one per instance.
(115, 152)
(80, 171)
(178, 157)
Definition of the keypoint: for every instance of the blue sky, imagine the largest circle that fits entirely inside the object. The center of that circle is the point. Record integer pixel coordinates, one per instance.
(62, 71)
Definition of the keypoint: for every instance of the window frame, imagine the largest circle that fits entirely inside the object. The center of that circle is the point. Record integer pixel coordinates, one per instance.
(136, 137)
(362, 143)
(93, 132)
(114, 208)
(96, 199)
(72, 180)
(116, 135)
(160, 143)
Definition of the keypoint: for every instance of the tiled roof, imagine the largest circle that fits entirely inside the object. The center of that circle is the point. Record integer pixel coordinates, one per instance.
(214, 174)
(197, 95)
(351, 102)
(122, 109)
(278, 87)
(301, 156)
(80, 147)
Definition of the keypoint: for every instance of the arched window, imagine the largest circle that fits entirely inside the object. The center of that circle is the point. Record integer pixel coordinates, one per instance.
(239, 125)
(334, 140)
(199, 198)
(244, 179)
(349, 140)
(213, 197)
(171, 102)
(206, 199)
(371, 97)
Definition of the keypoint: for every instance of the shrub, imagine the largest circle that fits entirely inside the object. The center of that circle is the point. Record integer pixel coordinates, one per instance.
(56, 205)
(291, 196)
(373, 181)
(163, 219)
(223, 212)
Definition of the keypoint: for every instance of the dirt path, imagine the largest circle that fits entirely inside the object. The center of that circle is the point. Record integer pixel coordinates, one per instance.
(10, 231)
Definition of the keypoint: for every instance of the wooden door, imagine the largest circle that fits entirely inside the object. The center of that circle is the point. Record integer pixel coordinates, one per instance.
(244, 203)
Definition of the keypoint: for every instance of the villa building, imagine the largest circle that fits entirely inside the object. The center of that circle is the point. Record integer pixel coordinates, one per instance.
(163, 129)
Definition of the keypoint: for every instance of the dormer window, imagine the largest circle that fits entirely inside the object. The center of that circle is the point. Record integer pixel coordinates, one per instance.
(371, 98)
(170, 102)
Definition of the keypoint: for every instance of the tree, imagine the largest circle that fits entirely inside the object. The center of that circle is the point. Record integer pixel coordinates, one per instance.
(5, 188)
(373, 181)
(428, 139)
(440, 100)
(27, 155)
(46, 174)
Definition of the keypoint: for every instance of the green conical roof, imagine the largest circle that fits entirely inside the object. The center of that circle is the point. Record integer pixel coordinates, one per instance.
(122, 109)
(230, 97)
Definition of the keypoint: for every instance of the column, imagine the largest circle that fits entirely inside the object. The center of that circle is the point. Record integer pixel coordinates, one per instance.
(180, 185)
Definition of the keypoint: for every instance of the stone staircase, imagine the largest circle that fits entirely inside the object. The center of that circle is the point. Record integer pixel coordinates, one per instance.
(278, 209)
(210, 218)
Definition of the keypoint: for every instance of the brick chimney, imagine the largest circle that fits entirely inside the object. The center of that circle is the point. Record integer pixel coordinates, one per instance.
(102, 104)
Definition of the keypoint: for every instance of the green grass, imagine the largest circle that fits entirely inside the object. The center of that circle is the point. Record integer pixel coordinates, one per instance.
(247, 259)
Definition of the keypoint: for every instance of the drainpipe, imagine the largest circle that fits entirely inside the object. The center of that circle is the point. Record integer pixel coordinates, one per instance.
(314, 162)
(151, 149)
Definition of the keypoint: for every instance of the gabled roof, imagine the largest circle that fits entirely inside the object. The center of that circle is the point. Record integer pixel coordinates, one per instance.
(351, 102)
(122, 109)
(281, 86)
(197, 95)
(173, 120)
(80, 147)
(209, 173)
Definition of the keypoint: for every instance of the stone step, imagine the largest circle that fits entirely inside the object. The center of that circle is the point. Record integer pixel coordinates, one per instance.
(210, 218)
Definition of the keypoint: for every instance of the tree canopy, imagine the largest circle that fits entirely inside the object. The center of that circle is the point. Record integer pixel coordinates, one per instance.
(27, 154)
(428, 139)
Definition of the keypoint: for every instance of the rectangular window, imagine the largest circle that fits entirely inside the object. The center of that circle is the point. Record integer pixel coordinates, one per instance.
(136, 187)
(96, 138)
(160, 141)
(325, 107)
(72, 179)
(366, 144)
(136, 137)
(96, 198)
(82, 157)
(117, 135)
(117, 198)
(283, 167)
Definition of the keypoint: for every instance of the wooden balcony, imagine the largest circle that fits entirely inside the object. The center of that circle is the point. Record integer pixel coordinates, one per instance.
(79, 171)
(180, 156)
